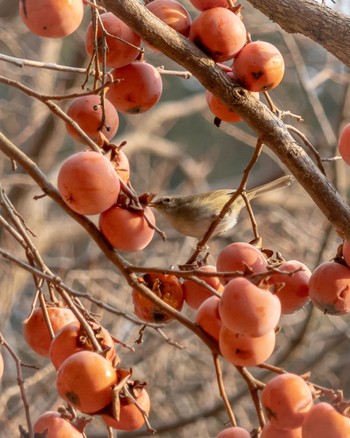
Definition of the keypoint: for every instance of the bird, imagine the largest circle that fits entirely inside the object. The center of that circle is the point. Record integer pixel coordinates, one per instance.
(192, 215)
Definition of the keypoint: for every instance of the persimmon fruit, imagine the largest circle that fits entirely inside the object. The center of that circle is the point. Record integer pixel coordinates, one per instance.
(324, 421)
(329, 288)
(247, 309)
(36, 332)
(88, 182)
(51, 18)
(88, 113)
(194, 293)
(166, 287)
(208, 317)
(287, 399)
(233, 432)
(344, 143)
(127, 230)
(55, 426)
(121, 46)
(203, 5)
(292, 290)
(137, 89)
(73, 338)
(130, 416)
(246, 351)
(220, 109)
(259, 66)
(85, 380)
(219, 33)
(172, 13)
(121, 165)
(242, 257)
(271, 431)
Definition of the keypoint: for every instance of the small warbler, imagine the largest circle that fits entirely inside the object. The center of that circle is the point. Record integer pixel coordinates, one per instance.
(192, 215)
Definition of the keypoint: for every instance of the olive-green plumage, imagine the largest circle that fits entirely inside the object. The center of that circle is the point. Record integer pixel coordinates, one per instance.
(192, 215)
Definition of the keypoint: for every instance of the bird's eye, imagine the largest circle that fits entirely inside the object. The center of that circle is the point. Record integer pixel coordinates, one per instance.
(166, 199)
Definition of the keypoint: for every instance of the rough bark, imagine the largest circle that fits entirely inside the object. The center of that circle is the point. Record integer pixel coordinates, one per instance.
(324, 25)
(266, 125)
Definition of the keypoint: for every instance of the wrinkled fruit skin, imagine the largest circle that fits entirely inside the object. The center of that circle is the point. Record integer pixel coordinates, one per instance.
(166, 287)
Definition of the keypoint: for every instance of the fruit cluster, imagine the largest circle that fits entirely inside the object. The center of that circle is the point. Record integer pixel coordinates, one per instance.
(92, 382)
(240, 303)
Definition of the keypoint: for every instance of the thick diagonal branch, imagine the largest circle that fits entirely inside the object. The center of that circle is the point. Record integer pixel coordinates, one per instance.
(270, 129)
(324, 25)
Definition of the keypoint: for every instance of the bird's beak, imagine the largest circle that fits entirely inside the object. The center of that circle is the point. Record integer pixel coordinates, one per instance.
(153, 204)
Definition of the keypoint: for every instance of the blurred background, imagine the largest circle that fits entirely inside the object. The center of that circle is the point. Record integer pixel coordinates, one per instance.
(174, 148)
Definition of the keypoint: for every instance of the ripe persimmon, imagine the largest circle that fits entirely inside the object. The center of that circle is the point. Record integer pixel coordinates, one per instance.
(166, 287)
(122, 42)
(292, 290)
(246, 351)
(220, 109)
(36, 332)
(242, 257)
(202, 5)
(247, 309)
(219, 33)
(346, 252)
(85, 380)
(287, 399)
(194, 293)
(208, 317)
(329, 288)
(324, 421)
(127, 230)
(137, 89)
(344, 143)
(130, 416)
(271, 431)
(172, 13)
(73, 338)
(88, 182)
(51, 18)
(52, 425)
(259, 66)
(233, 432)
(94, 120)
(121, 165)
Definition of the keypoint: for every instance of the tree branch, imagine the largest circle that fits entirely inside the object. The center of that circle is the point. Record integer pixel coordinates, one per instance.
(321, 24)
(267, 126)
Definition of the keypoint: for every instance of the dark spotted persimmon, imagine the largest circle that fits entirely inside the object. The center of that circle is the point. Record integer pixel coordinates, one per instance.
(166, 287)
(85, 380)
(259, 66)
(51, 18)
(219, 33)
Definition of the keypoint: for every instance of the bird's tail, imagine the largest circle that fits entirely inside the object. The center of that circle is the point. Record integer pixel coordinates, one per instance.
(278, 183)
